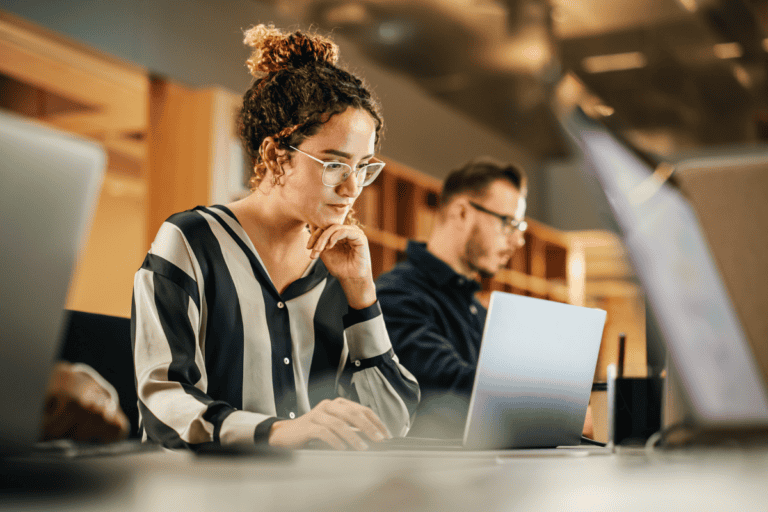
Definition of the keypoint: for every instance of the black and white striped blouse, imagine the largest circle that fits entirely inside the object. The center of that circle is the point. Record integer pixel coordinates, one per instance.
(220, 355)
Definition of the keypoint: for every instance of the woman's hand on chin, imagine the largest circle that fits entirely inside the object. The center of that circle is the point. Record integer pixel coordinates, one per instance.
(345, 253)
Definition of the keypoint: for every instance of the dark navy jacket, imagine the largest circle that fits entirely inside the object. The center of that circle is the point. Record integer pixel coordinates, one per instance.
(435, 324)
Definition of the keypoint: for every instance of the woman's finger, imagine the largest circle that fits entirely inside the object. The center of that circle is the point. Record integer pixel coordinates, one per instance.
(342, 429)
(374, 419)
(322, 241)
(315, 233)
(349, 234)
(360, 417)
(327, 436)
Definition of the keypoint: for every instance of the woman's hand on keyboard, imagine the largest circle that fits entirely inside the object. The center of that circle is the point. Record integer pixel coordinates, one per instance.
(339, 423)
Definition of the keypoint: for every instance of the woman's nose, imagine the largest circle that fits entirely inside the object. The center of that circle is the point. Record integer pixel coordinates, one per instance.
(350, 187)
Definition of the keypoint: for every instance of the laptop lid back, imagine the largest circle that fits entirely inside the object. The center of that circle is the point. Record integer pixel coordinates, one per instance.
(534, 373)
(50, 184)
(688, 299)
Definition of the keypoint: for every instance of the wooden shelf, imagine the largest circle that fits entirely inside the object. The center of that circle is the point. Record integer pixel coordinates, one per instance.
(402, 205)
(69, 86)
(72, 87)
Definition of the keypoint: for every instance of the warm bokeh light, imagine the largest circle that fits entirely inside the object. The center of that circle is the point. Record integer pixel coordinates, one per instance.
(689, 5)
(728, 50)
(742, 76)
(614, 62)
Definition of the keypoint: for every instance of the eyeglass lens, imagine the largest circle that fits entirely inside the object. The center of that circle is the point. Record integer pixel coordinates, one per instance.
(335, 173)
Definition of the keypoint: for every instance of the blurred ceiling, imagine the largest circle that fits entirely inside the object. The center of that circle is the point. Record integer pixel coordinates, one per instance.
(673, 74)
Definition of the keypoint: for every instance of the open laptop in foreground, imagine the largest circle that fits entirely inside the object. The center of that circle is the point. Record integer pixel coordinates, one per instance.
(533, 380)
(50, 185)
(709, 353)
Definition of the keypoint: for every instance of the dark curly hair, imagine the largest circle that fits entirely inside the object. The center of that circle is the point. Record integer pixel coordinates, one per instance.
(298, 88)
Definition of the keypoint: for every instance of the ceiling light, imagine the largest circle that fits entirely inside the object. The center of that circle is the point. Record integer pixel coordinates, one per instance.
(528, 52)
(728, 50)
(689, 5)
(348, 13)
(613, 62)
(742, 76)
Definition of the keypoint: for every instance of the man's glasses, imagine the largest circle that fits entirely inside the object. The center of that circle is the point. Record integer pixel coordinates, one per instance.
(336, 173)
(508, 223)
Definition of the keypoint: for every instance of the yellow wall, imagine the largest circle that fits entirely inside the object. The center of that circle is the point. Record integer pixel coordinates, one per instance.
(116, 246)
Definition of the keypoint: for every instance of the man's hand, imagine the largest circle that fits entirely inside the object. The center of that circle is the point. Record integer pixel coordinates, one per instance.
(78, 407)
(338, 423)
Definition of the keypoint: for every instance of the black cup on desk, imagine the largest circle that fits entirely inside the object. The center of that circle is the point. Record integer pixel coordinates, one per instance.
(634, 404)
(636, 409)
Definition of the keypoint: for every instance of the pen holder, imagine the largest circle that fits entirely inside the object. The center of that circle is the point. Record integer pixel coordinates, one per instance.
(634, 408)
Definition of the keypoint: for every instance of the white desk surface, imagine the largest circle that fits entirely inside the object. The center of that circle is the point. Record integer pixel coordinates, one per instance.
(721, 480)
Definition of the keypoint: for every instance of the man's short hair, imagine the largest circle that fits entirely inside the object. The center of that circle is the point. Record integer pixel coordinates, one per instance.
(478, 174)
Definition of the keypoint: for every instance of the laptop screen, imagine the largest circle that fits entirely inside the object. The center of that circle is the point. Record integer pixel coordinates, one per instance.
(50, 184)
(672, 259)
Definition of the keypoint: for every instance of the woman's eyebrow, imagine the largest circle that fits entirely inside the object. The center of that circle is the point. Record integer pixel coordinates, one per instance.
(342, 154)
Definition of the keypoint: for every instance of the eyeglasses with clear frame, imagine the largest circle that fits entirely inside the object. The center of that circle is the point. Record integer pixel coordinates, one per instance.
(508, 223)
(336, 173)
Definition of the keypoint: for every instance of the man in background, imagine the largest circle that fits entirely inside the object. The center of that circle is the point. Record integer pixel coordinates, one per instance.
(433, 317)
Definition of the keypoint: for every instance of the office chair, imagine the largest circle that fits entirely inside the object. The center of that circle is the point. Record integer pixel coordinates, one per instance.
(104, 343)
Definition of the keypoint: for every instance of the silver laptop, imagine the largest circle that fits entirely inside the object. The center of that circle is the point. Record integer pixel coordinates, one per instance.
(534, 374)
(533, 380)
(50, 184)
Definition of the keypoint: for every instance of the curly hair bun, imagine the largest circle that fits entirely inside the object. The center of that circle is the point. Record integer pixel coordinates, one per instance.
(274, 50)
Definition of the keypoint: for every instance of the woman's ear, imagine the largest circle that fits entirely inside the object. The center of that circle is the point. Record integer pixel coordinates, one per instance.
(269, 152)
(273, 158)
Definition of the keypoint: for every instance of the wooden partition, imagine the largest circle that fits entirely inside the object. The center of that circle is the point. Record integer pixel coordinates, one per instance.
(66, 85)
(163, 143)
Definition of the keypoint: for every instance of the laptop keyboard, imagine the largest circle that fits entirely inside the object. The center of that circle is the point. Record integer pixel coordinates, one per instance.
(65, 448)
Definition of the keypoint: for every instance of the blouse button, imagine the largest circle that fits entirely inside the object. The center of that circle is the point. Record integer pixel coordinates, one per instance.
(280, 305)
(287, 361)
(357, 363)
(292, 415)
(473, 309)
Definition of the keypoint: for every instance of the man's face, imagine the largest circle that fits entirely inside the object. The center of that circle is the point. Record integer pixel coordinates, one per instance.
(489, 248)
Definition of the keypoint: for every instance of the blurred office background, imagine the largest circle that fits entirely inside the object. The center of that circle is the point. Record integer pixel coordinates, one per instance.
(679, 75)
(158, 83)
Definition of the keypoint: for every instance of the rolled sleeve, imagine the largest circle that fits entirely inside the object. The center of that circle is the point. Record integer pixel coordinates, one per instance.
(378, 379)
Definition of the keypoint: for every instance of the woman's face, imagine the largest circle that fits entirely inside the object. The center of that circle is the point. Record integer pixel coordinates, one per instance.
(349, 138)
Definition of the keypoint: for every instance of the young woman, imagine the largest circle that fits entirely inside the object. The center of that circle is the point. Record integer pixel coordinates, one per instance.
(258, 321)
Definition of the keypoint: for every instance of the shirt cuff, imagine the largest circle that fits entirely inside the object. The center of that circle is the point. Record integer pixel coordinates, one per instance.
(261, 433)
(245, 428)
(355, 316)
(368, 338)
